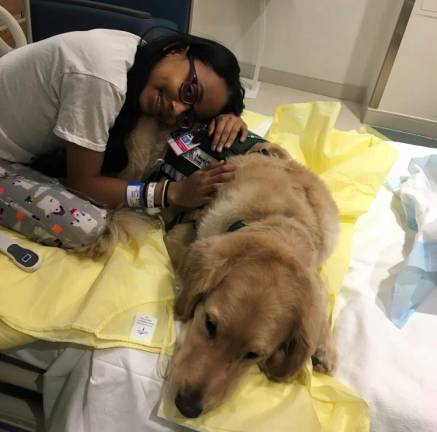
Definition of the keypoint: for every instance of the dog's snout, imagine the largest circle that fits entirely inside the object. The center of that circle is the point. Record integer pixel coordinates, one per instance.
(189, 404)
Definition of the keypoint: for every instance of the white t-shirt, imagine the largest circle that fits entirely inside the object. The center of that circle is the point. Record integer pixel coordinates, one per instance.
(69, 87)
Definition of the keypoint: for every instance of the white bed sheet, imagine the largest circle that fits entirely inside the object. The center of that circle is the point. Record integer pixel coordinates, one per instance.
(88, 390)
(394, 370)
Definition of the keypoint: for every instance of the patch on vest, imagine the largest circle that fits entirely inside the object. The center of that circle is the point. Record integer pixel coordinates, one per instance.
(191, 150)
(199, 158)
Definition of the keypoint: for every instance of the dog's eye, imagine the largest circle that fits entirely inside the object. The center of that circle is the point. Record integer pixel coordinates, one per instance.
(251, 355)
(211, 327)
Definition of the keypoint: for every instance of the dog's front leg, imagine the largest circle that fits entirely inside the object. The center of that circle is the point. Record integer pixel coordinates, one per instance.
(177, 240)
(325, 358)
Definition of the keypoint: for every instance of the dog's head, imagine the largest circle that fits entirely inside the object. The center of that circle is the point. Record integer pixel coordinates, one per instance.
(246, 300)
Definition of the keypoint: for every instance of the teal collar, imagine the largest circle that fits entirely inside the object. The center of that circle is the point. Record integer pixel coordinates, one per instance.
(236, 226)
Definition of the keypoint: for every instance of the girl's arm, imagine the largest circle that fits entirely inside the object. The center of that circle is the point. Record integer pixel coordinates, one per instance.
(84, 178)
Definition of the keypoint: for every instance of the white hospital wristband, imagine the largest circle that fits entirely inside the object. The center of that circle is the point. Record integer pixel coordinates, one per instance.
(164, 194)
(135, 194)
(150, 196)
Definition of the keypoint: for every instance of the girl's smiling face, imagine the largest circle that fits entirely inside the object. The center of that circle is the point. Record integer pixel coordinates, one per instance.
(161, 96)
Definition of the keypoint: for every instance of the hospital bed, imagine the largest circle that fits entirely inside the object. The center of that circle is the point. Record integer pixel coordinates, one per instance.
(50, 17)
(393, 369)
(17, 34)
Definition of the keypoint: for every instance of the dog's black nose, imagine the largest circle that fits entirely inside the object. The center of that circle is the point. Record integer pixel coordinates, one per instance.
(190, 404)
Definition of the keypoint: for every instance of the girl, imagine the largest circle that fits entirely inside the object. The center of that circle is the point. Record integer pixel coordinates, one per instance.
(83, 92)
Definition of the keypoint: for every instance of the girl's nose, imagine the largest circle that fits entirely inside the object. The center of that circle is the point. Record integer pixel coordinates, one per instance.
(178, 108)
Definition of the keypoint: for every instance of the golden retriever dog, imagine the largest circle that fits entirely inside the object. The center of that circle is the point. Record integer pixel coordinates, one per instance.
(250, 291)
(253, 295)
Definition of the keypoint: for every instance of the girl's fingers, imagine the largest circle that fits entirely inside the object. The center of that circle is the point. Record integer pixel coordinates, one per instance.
(212, 189)
(211, 127)
(232, 137)
(225, 135)
(244, 133)
(221, 178)
(213, 166)
(220, 127)
(222, 168)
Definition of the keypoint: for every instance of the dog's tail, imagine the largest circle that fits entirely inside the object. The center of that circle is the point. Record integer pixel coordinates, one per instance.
(124, 226)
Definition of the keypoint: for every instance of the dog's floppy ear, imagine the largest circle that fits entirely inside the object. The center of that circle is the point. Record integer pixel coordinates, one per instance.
(306, 323)
(201, 269)
(291, 355)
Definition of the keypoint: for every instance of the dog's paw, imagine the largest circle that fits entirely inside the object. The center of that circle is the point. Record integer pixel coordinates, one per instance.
(325, 360)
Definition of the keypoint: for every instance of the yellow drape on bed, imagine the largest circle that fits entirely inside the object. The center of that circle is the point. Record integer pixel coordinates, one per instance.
(95, 304)
(353, 166)
(72, 299)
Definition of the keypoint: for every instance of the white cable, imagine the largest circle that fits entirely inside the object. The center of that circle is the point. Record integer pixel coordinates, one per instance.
(252, 84)
(17, 33)
(261, 39)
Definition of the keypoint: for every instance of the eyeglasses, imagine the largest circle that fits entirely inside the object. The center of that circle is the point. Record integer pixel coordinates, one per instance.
(189, 90)
(189, 95)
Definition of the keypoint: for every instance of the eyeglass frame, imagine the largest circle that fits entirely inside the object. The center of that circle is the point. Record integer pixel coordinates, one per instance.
(186, 119)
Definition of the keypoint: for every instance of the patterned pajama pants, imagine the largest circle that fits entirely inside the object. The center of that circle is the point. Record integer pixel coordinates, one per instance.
(43, 210)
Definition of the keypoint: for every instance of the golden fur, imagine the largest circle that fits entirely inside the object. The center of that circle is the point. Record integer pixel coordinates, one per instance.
(249, 296)
(146, 144)
(258, 286)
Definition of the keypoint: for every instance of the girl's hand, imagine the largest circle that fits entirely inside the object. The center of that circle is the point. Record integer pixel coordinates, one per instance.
(225, 128)
(200, 187)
